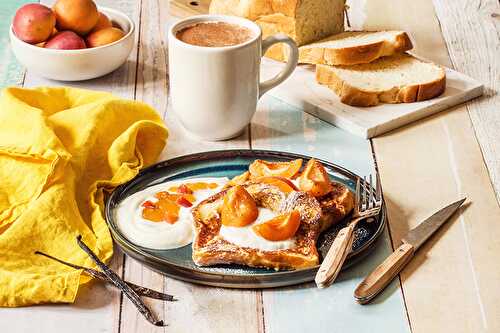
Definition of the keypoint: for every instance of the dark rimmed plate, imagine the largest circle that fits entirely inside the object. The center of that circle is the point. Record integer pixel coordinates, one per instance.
(177, 263)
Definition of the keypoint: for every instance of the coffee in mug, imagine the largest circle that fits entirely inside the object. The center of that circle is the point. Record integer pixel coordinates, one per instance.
(214, 34)
(214, 73)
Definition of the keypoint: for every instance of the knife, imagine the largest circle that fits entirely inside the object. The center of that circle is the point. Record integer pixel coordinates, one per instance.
(377, 280)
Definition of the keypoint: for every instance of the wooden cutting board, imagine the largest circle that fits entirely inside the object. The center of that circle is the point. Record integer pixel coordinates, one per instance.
(183, 8)
(302, 91)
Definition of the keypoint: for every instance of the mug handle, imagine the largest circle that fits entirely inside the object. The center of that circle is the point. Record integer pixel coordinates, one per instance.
(293, 59)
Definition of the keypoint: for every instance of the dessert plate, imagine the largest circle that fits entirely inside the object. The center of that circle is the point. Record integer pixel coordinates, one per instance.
(177, 263)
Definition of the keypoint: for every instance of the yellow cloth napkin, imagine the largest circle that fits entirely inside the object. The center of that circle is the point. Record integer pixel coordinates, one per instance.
(61, 149)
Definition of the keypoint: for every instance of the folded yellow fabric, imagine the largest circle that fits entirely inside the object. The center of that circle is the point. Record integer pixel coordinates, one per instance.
(61, 149)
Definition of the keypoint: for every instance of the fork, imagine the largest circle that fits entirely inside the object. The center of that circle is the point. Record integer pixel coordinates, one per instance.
(366, 205)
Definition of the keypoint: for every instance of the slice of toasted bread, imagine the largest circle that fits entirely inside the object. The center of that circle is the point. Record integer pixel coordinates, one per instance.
(209, 248)
(335, 205)
(400, 78)
(355, 47)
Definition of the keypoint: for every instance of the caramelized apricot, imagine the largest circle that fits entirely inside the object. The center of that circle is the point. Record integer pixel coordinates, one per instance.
(283, 184)
(261, 168)
(184, 202)
(239, 208)
(170, 209)
(164, 210)
(239, 179)
(185, 188)
(314, 179)
(280, 228)
(174, 196)
(153, 214)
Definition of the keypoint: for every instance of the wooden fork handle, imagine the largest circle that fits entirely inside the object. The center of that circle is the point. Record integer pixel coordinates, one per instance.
(377, 280)
(330, 267)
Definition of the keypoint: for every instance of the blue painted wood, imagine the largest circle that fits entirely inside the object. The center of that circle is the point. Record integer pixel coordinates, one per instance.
(11, 72)
(297, 309)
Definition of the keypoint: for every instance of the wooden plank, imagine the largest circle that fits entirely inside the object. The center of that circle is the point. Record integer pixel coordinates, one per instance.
(202, 309)
(471, 30)
(451, 284)
(11, 72)
(96, 305)
(295, 309)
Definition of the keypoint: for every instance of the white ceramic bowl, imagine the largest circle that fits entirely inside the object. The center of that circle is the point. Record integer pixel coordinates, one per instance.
(77, 65)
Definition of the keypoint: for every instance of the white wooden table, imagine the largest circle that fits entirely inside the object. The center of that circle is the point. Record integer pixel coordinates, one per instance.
(452, 284)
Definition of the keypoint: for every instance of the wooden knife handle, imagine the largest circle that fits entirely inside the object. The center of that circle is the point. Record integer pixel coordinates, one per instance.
(330, 267)
(377, 280)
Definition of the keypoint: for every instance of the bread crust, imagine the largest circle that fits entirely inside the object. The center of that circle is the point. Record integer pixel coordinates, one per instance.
(354, 96)
(211, 249)
(353, 55)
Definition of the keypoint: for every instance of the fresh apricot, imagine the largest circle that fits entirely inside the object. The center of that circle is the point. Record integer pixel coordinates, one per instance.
(314, 179)
(280, 228)
(80, 16)
(33, 23)
(282, 183)
(239, 208)
(65, 40)
(261, 168)
(102, 23)
(104, 37)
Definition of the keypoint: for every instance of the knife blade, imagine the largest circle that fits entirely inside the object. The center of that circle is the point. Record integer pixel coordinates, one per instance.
(377, 280)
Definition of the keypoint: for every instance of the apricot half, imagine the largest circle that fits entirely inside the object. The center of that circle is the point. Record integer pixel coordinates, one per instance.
(280, 228)
(239, 208)
(261, 168)
(314, 179)
(282, 183)
(239, 179)
(164, 210)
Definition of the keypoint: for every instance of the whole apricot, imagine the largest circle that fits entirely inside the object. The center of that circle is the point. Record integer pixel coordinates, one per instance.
(102, 23)
(80, 16)
(65, 40)
(104, 36)
(33, 23)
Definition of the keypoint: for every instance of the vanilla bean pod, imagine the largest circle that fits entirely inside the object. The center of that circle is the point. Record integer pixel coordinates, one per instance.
(141, 291)
(117, 281)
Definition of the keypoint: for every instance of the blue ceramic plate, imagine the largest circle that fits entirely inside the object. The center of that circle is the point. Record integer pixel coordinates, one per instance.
(177, 263)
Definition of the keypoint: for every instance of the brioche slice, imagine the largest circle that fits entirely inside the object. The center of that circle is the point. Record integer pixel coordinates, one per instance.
(355, 47)
(211, 248)
(400, 78)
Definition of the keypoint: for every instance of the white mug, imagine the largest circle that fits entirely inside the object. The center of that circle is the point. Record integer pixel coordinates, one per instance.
(215, 90)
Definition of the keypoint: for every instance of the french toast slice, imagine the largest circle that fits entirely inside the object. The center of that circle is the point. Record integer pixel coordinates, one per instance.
(335, 205)
(210, 248)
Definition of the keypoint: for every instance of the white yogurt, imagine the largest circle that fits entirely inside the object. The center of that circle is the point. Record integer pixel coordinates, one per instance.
(246, 237)
(161, 235)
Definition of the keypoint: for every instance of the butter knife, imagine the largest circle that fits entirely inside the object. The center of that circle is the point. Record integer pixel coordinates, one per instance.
(377, 280)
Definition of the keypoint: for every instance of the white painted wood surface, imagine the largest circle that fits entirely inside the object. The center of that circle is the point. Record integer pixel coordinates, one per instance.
(472, 33)
(457, 257)
(301, 90)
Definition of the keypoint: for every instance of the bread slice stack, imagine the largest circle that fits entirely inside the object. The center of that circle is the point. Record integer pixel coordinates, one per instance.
(368, 68)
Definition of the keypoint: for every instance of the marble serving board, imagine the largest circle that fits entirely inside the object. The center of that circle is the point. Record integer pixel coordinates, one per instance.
(301, 90)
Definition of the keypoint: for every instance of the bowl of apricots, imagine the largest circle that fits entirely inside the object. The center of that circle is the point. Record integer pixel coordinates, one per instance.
(72, 41)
